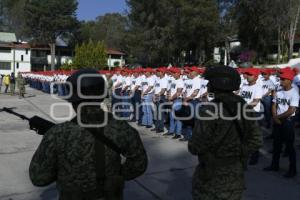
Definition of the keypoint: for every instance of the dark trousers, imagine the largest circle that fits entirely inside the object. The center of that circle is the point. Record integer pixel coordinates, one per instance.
(267, 103)
(6, 88)
(116, 99)
(160, 115)
(284, 134)
(136, 102)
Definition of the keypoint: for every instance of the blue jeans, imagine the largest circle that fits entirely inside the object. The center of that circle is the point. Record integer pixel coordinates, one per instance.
(188, 130)
(147, 110)
(175, 124)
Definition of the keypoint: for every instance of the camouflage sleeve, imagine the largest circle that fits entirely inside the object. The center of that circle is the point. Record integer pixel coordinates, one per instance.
(203, 135)
(42, 169)
(135, 153)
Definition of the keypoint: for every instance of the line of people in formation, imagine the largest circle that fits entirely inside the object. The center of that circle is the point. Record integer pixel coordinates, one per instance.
(42, 81)
(150, 96)
(9, 81)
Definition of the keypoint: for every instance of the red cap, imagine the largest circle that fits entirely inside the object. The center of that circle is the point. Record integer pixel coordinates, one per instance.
(150, 70)
(252, 71)
(288, 75)
(175, 70)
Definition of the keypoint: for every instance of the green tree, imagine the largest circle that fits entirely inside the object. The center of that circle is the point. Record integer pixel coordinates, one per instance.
(45, 20)
(90, 55)
(164, 31)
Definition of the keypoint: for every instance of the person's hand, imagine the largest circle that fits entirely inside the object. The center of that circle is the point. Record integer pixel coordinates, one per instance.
(276, 120)
(185, 103)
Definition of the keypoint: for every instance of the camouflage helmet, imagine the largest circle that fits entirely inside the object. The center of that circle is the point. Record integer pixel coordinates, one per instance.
(89, 82)
(222, 78)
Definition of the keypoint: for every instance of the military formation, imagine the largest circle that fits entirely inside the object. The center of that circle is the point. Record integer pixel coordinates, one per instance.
(174, 102)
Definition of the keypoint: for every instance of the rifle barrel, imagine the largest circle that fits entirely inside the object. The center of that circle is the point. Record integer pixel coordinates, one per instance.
(8, 110)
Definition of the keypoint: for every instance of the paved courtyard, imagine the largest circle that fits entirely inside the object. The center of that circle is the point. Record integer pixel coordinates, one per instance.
(168, 176)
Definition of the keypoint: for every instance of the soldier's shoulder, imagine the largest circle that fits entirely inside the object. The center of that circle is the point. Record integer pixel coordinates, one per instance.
(119, 126)
(67, 129)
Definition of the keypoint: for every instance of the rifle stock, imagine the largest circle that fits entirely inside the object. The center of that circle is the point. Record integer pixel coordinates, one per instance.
(36, 123)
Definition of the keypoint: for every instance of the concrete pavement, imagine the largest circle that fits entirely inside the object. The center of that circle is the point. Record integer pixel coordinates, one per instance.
(168, 176)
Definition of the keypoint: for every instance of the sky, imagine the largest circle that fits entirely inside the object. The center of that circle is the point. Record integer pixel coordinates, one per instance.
(90, 9)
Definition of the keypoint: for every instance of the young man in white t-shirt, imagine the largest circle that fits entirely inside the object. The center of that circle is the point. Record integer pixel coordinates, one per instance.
(252, 94)
(268, 88)
(284, 107)
(175, 97)
(147, 98)
(159, 98)
(191, 98)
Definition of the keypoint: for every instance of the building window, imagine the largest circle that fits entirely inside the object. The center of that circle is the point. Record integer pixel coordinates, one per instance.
(22, 58)
(5, 66)
(26, 51)
(17, 65)
(5, 50)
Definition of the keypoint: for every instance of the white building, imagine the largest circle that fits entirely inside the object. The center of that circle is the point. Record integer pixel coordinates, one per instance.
(14, 56)
(115, 58)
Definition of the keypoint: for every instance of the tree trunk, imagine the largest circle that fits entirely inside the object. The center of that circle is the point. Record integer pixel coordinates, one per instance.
(52, 49)
(293, 29)
(227, 49)
(279, 45)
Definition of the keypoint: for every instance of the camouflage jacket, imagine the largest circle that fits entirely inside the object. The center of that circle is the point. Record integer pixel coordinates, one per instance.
(66, 155)
(220, 149)
(21, 82)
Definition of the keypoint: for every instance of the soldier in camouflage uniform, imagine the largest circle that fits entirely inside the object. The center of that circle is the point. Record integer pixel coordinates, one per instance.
(222, 145)
(84, 166)
(21, 85)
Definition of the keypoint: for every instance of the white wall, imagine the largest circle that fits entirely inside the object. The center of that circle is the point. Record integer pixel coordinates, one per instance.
(110, 62)
(24, 66)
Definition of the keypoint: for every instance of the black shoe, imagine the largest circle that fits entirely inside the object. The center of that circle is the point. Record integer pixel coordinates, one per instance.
(271, 168)
(154, 129)
(160, 131)
(148, 126)
(183, 140)
(176, 137)
(290, 174)
(168, 134)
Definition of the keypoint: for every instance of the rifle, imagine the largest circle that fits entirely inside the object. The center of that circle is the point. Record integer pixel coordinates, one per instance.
(36, 123)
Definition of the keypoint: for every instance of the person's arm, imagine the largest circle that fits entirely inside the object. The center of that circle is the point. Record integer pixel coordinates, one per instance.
(177, 94)
(136, 158)
(148, 90)
(42, 169)
(195, 93)
(288, 113)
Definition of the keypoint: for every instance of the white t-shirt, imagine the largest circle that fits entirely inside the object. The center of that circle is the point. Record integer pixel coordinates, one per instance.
(170, 80)
(285, 99)
(175, 85)
(127, 82)
(139, 82)
(148, 82)
(267, 85)
(114, 78)
(203, 87)
(249, 93)
(120, 79)
(194, 84)
(161, 83)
